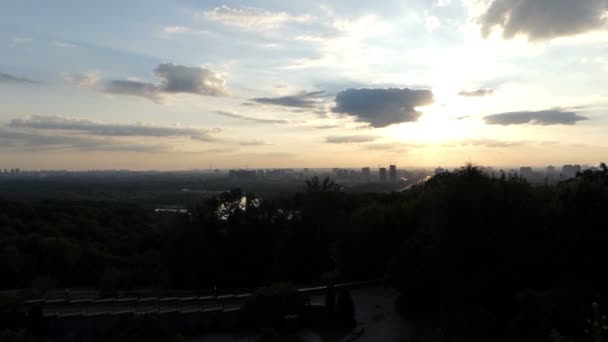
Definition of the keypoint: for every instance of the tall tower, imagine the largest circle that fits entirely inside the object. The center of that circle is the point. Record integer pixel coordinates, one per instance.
(382, 173)
(392, 173)
(365, 172)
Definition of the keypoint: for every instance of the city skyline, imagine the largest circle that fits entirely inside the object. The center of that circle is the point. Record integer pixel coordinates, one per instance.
(146, 85)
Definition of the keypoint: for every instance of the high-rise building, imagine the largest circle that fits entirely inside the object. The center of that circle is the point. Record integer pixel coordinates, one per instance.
(365, 172)
(392, 174)
(525, 172)
(382, 174)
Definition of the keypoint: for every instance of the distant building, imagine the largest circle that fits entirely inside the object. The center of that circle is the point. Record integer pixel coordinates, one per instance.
(570, 171)
(392, 173)
(365, 172)
(525, 172)
(243, 174)
(382, 174)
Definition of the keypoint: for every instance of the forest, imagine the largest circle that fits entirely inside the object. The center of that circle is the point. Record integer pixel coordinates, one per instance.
(474, 257)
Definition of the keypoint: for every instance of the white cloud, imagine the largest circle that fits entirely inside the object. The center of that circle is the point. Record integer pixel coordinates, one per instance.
(432, 23)
(442, 3)
(250, 18)
(60, 44)
(172, 31)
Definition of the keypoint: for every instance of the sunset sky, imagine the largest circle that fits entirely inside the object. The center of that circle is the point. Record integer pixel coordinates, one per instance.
(182, 84)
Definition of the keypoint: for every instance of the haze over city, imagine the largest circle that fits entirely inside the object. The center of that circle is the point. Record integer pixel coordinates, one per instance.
(154, 85)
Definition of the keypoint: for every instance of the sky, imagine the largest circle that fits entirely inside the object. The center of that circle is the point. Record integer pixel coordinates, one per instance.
(174, 85)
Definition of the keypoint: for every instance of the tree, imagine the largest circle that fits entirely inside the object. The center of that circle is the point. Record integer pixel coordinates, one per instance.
(327, 185)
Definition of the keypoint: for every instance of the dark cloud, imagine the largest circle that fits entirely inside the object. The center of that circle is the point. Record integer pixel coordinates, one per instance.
(327, 126)
(250, 119)
(544, 19)
(349, 139)
(171, 79)
(196, 80)
(541, 118)
(8, 78)
(477, 93)
(36, 141)
(135, 88)
(382, 107)
(302, 100)
(83, 126)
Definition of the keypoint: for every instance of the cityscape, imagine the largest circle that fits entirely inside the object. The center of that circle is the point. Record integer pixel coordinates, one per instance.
(303, 171)
(393, 174)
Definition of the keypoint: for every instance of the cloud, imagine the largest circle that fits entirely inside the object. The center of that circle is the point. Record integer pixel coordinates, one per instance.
(350, 139)
(249, 18)
(171, 79)
(89, 127)
(196, 80)
(477, 93)
(382, 107)
(66, 45)
(85, 80)
(170, 31)
(495, 143)
(327, 126)
(22, 40)
(37, 141)
(541, 118)
(302, 100)
(432, 23)
(8, 78)
(253, 142)
(394, 146)
(214, 150)
(134, 88)
(544, 19)
(250, 119)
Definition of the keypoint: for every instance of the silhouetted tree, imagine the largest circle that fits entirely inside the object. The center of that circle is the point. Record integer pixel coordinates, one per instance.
(316, 185)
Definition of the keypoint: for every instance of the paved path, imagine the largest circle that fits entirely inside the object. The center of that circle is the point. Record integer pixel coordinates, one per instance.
(375, 314)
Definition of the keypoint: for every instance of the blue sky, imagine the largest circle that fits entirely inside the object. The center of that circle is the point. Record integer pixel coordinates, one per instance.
(157, 85)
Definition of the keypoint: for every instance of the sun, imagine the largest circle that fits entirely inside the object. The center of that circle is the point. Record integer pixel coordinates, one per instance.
(439, 123)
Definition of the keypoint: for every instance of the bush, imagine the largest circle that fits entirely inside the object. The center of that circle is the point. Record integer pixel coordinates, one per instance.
(345, 309)
(268, 306)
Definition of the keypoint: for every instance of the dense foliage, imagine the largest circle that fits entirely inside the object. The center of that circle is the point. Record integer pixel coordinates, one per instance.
(474, 257)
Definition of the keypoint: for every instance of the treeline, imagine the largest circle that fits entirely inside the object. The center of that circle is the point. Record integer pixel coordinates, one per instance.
(475, 258)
